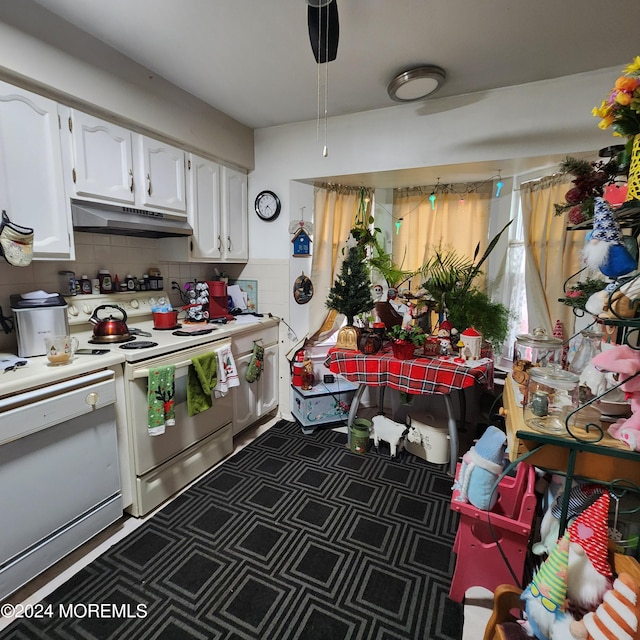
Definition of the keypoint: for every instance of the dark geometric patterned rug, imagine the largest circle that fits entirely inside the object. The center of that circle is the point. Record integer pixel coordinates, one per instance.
(293, 538)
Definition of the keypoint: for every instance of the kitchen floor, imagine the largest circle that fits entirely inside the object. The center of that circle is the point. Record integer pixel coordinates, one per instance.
(478, 602)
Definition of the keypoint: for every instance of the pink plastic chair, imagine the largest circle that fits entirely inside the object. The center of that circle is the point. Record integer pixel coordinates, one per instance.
(479, 562)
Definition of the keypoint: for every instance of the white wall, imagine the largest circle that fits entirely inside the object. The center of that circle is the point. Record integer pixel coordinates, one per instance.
(532, 120)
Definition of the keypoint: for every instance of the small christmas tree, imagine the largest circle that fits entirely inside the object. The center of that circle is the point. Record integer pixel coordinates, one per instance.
(351, 292)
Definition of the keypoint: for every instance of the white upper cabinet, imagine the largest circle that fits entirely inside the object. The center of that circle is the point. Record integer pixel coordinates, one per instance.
(31, 178)
(235, 223)
(217, 211)
(102, 159)
(109, 163)
(162, 170)
(204, 209)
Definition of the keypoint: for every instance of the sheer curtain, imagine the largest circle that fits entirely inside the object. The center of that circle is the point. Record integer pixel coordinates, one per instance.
(335, 211)
(458, 220)
(552, 254)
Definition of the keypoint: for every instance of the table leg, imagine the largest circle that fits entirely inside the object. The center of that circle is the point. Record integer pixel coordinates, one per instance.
(381, 400)
(453, 433)
(353, 411)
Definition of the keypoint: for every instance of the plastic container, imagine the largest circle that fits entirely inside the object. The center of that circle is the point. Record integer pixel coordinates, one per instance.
(538, 348)
(552, 396)
(68, 284)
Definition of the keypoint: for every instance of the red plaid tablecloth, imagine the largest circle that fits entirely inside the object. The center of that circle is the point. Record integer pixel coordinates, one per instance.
(422, 375)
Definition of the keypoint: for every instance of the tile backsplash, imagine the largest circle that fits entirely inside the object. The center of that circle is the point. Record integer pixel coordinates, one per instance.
(122, 255)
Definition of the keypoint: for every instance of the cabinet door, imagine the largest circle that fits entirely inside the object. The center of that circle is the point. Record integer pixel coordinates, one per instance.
(269, 382)
(234, 215)
(244, 397)
(31, 177)
(161, 181)
(102, 159)
(204, 209)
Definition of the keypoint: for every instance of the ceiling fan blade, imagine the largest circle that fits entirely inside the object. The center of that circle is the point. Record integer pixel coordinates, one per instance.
(324, 31)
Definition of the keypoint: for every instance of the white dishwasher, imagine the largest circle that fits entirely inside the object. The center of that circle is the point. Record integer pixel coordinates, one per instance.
(59, 476)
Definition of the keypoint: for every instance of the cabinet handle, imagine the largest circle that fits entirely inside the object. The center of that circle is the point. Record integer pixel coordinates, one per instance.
(131, 180)
(148, 184)
(73, 175)
(503, 412)
(228, 243)
(219, 243)
(92, 399)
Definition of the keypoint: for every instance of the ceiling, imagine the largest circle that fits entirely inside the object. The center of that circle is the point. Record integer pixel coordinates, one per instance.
(252, 58)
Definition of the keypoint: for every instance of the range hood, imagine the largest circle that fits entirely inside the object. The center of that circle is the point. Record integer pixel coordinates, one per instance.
(120, 220)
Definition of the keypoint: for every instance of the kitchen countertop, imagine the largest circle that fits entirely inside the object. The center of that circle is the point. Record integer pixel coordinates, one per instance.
(40, 373)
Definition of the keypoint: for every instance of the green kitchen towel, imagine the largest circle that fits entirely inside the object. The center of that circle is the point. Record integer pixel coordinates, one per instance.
(201, 380)
(160, 395)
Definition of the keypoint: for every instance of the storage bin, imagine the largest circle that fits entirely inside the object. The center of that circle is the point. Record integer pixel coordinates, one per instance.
(325, 403)
(434, 445)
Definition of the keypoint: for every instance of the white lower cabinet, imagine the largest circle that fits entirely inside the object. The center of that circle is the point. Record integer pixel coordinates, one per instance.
(252, 401)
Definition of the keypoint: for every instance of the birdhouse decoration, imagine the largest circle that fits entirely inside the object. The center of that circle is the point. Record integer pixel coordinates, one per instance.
(301, 244)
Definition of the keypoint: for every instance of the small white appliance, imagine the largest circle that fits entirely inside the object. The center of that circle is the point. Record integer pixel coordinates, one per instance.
(38, 315)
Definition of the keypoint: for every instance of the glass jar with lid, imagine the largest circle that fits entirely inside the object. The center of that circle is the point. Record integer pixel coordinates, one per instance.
(552, 396)
(538, 348)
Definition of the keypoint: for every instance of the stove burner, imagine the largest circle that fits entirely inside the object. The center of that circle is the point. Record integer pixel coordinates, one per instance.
(114, 340)
(140, 344)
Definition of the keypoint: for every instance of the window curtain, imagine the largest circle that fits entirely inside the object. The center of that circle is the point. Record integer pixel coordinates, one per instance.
(552, 254)
(458, 220)
(335, 211)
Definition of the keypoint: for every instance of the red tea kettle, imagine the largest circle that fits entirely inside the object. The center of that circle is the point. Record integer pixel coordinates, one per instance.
(109, 329)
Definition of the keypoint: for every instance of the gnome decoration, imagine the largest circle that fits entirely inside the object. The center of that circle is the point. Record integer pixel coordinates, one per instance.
(605, 249)
(589, 572)
(545, 597)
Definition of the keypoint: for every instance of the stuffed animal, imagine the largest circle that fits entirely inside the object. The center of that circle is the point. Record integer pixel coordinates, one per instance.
(625, 361)
(616, 618)
(545, 597)
(481, 467)
(589, 573)
(580, 496)
(605, 249)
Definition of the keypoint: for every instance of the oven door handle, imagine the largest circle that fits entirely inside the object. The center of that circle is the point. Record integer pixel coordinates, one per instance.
(183, 364)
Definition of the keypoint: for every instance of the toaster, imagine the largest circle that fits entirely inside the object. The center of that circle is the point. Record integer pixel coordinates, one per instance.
(38, 316)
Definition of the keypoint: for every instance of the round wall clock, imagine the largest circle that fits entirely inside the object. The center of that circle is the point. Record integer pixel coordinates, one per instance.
(267, 205)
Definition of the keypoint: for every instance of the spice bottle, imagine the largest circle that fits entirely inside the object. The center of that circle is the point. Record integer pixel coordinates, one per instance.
(130, 282)
(85, 284)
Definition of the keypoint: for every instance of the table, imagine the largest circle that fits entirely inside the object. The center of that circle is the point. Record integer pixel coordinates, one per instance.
(424, 375)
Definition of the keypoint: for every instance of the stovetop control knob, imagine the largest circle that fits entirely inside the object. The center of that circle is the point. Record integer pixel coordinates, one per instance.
(72, 310)
(87, 309)
(134, 304)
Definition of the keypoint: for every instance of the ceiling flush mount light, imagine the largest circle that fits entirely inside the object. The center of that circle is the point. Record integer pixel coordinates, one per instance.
(416, 84)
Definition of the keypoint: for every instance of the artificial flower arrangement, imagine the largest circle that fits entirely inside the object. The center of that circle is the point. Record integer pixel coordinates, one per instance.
(579, 292)
(590, 180)
(621, 109)
(411, 333)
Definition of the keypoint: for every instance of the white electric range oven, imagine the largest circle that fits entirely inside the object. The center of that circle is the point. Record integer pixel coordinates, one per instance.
(156, 467)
